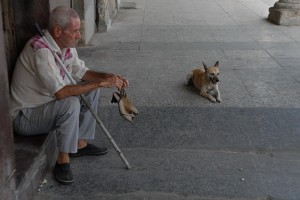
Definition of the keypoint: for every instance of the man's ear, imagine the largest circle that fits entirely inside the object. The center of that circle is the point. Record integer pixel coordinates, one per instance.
(57, 30)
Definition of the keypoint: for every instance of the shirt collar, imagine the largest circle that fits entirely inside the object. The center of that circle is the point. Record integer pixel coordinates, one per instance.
(52, 42)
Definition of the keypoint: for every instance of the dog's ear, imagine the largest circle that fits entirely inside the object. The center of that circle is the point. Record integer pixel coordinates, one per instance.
(217, 64)
(205, 66)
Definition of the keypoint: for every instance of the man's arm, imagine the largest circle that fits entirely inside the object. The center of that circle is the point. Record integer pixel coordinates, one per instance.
(92, 80)
(92, 75)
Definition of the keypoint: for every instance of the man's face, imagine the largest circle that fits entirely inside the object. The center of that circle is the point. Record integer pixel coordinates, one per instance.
(70, 36)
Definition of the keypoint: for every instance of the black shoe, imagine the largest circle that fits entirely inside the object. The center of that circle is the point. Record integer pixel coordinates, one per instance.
(63, 173)
(89, 150)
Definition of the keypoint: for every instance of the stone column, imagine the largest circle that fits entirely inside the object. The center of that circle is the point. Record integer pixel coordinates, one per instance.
(86, 11)
(106, 11)
(285, 12)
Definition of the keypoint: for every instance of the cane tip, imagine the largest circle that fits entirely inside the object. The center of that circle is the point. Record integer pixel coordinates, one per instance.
(129, 167)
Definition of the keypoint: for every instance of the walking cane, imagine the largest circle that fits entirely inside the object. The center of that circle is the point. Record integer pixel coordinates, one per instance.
(61, 65)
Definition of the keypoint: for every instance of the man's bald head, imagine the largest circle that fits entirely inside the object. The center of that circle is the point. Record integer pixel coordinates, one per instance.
(61, 16)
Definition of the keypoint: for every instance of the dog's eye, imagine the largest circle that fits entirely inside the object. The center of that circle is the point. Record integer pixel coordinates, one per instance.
(218, 74)
(212, 74)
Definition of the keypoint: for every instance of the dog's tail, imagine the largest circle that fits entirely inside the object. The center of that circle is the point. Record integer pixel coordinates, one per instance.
(189, 79)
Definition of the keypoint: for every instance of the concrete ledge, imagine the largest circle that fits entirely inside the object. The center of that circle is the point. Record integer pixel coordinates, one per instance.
(34, 157)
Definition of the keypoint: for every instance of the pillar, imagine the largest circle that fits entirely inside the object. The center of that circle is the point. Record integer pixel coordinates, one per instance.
(86, 11)
(106, 11)
(285, 12)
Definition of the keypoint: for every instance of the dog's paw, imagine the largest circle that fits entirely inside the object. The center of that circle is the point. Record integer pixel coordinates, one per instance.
(219, 100)
(213, 100)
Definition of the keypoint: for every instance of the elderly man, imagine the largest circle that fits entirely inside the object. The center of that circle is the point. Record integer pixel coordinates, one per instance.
(43, 99)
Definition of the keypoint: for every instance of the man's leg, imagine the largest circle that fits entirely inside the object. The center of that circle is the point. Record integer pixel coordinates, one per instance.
(87, 125)
(60, 115)
(87, 122)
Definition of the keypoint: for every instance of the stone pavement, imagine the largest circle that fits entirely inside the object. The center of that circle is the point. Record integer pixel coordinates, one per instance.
(182, 146)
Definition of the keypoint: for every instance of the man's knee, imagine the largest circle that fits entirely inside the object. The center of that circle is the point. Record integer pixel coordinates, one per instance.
(70, 105)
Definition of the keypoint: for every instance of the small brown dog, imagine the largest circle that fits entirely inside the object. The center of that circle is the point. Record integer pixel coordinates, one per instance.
(206, 81)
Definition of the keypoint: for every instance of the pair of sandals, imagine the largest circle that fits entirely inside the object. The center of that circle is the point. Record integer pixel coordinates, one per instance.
(126, 109)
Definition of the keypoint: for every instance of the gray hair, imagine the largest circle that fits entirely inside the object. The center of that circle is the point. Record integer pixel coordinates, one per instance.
(61, 16)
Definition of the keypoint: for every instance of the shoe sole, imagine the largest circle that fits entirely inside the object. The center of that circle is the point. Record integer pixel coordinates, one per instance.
(64, 182)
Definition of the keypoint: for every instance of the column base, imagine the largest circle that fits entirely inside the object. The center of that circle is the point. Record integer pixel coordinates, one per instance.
(284, 17)
(285, 13)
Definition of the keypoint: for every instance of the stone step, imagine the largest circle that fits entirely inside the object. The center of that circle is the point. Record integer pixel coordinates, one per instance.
(34, 157)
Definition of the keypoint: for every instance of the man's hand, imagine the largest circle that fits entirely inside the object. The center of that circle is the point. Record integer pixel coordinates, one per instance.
(114, 81)
(87, 86)
(125, 81)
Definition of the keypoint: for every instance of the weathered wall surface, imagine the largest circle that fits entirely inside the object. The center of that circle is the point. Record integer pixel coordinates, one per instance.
(7, 166)
(25, 13)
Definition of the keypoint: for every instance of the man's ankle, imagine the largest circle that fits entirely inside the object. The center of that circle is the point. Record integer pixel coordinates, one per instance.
(63, 158)
(81, 143)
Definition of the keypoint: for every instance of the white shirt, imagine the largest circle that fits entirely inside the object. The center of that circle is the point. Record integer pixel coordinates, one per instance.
(37, 77)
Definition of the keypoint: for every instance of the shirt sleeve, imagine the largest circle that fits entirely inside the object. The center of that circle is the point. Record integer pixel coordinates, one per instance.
(47, 70)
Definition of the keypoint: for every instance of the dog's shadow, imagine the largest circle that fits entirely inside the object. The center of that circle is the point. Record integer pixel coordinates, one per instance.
(190, 88)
